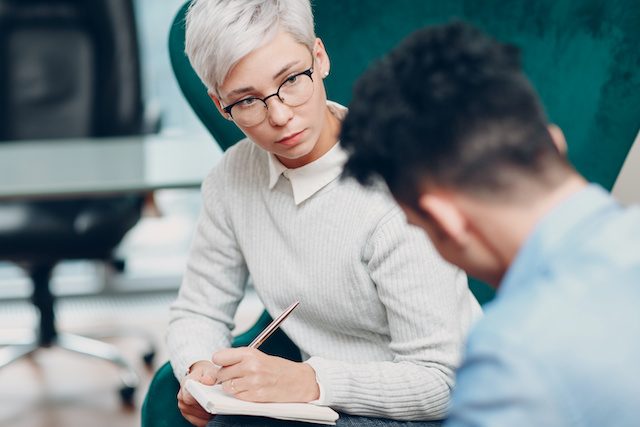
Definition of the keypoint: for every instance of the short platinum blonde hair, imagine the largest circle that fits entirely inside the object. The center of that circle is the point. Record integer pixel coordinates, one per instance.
(219, 33)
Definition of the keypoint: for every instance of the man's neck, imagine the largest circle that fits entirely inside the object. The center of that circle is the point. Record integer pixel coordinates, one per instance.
(505, 227)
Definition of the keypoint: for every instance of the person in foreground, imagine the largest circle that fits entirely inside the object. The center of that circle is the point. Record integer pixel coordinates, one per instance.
(382, 317)
(451, 123)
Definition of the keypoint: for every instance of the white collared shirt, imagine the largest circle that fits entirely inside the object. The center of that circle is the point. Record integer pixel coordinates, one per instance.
(310, 178)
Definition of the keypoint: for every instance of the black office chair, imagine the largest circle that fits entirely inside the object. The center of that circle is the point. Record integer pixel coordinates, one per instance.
(68, 68)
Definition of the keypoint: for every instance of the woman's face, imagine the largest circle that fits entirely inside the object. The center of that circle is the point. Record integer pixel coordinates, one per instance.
(296, 135)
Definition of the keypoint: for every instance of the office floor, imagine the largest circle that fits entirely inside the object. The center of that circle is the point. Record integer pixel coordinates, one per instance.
(56, 388)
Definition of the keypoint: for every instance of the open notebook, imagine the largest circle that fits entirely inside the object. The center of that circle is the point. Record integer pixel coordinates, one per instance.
(216, 401)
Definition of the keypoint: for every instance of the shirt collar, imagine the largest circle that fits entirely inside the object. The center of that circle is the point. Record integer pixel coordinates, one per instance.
(310, 178)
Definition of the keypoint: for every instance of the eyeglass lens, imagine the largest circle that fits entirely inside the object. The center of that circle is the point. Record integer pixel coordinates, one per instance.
(295, 91)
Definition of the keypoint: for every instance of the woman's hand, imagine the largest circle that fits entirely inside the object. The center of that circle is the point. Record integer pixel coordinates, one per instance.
(251, 375)
(206, 373)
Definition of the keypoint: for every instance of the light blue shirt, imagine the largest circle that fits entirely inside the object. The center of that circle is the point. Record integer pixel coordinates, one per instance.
(560, 344)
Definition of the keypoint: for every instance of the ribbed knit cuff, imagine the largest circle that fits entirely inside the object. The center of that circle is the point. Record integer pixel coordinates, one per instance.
(320, 400)
(325, 376)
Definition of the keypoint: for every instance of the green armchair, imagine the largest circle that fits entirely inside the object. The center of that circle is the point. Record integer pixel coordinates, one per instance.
(582, 56)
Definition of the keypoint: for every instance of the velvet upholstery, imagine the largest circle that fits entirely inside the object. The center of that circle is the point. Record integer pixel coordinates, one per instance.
(582, 56)
(224, 131)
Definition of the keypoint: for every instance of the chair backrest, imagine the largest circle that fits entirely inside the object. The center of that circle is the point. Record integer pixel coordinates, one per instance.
(68, 68)
(223, 131)
(582, 56)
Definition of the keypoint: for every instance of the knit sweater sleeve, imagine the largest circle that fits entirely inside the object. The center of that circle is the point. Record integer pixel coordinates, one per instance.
(201, 319)
(428, 312)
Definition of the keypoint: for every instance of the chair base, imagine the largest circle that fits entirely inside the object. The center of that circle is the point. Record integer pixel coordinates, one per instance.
(46, 334)
(78, 344)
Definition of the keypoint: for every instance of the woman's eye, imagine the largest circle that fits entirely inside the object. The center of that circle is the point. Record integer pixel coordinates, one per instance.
(247, 103)
(292, 80)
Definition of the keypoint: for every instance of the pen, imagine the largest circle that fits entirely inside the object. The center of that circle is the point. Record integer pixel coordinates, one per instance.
(271, 328)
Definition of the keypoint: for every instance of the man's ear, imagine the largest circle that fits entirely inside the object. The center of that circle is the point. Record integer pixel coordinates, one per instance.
(451, 221)
(218, 104)
(558, 138)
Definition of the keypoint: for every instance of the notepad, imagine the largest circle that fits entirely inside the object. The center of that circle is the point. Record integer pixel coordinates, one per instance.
(216, 401)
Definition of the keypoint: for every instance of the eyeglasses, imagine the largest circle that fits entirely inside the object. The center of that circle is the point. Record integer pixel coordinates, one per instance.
(294, 91)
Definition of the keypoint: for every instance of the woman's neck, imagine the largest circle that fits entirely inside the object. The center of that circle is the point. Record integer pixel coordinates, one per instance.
(330, 133)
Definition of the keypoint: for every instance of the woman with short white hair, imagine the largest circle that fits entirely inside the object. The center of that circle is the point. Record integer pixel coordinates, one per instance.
(382, 317)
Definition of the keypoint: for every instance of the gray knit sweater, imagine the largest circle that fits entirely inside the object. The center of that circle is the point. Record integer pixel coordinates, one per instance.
(382, 318)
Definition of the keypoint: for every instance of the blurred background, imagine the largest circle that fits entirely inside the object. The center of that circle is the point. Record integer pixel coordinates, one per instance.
(55, 387)
(125, 291)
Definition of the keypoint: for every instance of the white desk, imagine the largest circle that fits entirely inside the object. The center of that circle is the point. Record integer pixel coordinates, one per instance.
(80, 167)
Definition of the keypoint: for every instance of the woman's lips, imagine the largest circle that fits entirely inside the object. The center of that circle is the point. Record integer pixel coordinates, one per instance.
(292, 139)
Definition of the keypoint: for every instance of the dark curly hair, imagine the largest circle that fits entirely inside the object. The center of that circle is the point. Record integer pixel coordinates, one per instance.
(449, 105)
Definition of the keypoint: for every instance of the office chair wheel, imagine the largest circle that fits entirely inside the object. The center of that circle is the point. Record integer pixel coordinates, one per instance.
(126, 393)
(148, 358)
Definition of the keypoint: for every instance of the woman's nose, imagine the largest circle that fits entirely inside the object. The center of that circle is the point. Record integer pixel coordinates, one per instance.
(279, 113)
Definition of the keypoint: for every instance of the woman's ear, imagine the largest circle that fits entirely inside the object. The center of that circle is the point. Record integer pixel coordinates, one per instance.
(218, 104)
(558, 138)
(442, 208)
(321, 59)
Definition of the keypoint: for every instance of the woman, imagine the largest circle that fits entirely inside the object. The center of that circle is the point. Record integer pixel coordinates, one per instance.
(379, 328)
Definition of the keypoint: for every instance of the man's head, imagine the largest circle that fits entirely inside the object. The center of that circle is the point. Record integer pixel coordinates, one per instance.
(449, 106)
(448, 119)
(219, 33)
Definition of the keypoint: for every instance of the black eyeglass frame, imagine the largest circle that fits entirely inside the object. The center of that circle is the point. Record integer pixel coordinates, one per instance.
(308, 73)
